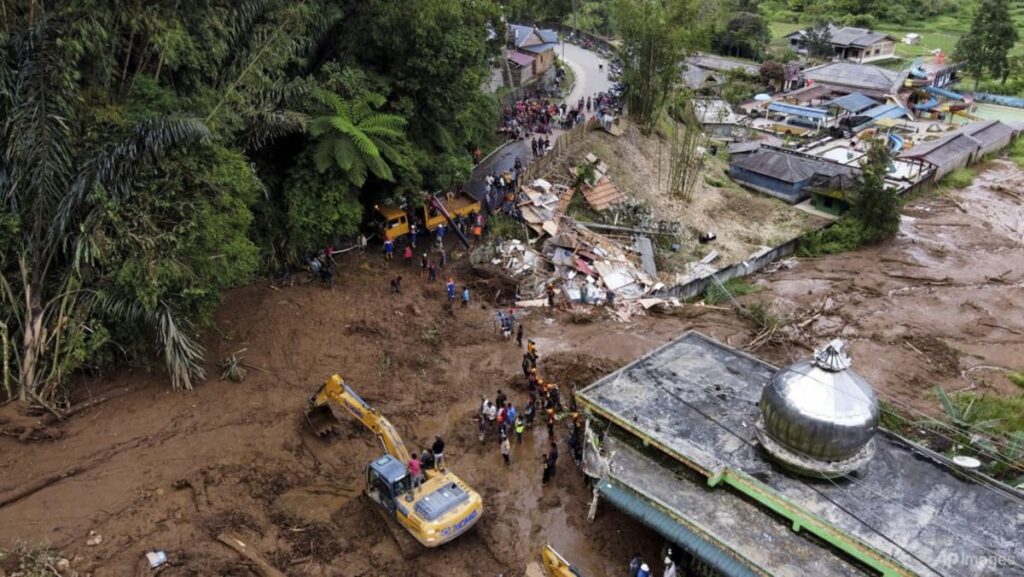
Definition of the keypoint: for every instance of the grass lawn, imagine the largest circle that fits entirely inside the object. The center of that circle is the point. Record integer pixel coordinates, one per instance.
(942, 32)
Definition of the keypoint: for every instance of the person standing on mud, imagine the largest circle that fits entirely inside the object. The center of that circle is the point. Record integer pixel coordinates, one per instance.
(423, 264)
(389, 249)
(529, 412)
(450, 287)
(519, 336)
(438, 449)
(553, 456)
(407, 255)
(547, 470)
(527, 364)
(396, 284)
(520, 427)
(506, 450)
(551, 423)
(634, 564)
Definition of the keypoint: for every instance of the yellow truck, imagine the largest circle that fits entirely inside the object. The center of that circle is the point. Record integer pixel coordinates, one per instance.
(394, 222)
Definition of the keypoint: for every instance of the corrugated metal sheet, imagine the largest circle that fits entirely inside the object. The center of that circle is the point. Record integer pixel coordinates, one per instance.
(787, 167)
(539, 48)
(520, 58)
(604, 194)
(794, 110)
(885, 111)
(672, 530)
(854, 102)
(864, 76)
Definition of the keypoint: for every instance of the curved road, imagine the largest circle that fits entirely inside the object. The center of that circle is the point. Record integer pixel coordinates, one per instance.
(590, 80)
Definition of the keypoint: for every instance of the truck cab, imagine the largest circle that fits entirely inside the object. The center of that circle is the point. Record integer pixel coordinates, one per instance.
(393, 222)
(387, 480)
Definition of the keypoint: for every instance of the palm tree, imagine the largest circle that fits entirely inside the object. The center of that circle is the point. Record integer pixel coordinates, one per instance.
(49, 182)
(356, 138)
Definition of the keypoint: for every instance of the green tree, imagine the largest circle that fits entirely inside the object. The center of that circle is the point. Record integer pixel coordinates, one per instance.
(431, 58)
(746, 35)
(320, 205)
(356, 138)
(819, 41)
(55, 186)
(656, 35)
(872, 203)
(986, 46)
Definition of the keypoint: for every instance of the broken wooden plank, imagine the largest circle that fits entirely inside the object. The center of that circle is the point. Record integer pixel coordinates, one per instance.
(262, 566)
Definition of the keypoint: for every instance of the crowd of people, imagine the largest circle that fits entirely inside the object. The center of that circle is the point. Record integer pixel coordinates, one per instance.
(501, 418)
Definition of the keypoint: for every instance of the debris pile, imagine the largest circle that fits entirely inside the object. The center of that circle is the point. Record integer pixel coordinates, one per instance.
(602, 193)
(578, 263)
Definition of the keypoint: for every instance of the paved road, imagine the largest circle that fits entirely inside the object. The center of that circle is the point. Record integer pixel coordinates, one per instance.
(590, 80)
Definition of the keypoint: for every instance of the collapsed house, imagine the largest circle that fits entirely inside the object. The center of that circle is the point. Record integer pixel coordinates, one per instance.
(572, 257)
(751, 470)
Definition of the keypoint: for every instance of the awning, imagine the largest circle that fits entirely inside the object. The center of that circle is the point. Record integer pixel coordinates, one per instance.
(794, 110)
(675, 532)
(886, 111)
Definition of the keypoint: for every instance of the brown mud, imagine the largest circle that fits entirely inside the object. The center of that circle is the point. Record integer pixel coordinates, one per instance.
(155, 469)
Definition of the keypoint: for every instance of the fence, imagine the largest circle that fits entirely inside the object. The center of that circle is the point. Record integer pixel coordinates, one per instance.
(544, 164)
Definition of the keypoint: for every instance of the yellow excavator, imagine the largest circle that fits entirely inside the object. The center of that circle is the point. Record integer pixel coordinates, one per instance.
(437, 511)
(555, 565)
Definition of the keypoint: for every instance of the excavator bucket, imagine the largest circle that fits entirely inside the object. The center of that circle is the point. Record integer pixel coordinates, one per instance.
(321, 420)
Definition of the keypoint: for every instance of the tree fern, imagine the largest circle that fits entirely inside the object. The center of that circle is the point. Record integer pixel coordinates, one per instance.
(356, 138)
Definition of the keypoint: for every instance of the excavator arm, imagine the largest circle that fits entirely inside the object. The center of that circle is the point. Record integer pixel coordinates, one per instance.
(335, 389)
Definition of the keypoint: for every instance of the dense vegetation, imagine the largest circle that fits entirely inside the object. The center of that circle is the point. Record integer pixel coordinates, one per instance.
(153, 155)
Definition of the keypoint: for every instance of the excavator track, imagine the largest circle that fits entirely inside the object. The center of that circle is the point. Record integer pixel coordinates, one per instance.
(407, 544)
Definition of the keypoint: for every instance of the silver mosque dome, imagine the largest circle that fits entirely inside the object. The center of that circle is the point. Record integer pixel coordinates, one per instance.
(818, 417)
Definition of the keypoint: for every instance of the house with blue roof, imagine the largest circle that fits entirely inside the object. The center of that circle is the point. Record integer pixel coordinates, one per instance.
(536, 43)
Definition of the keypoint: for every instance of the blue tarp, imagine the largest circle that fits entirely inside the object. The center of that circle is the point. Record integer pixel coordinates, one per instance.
(854, 102)
(794, 110)
(885, 111)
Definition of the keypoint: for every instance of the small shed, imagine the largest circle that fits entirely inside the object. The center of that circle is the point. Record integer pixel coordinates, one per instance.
(911, 39)
(521, 68)
(801, 115)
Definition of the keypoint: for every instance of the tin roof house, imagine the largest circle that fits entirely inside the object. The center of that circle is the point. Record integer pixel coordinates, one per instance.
(851, 44)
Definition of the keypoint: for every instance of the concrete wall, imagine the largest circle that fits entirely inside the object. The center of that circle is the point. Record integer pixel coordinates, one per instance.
(696, 287)
(791, 193)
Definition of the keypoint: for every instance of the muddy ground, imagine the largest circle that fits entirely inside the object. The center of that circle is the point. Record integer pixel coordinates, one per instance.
(940, 305)
(155, 469)
(743, 221)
